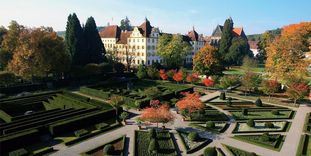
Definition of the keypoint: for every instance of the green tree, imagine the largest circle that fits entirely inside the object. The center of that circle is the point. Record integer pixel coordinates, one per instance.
(9, 43)
(226, 38)
(3, 32)
(142, 72)
(93, 43)
(249, 63)
(238, 50)
(125, 24)
(250, 81)
(172, 49)
(153, 73)
(74, 40)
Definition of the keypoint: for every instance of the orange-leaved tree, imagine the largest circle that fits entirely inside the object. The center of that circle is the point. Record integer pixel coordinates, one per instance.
(162, 74)
(296, 91)
(270, 87)
(192, 78)
(156, 115)
(178, 76)
(191, 102)
(208, 82)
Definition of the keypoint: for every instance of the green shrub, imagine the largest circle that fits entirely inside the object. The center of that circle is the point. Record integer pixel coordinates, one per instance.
(152, 133)
(193, 136)
(7, 78)
(252, 154)
(153, 73)
(152, 148)
(124, 115)
(251, 123)
(269, 125)
(275, 112)
(81, 132)
(142, 72)
(245, 111)
(101, 125)
(258, 102)
(210, 124)
(265, 137)
(229, 102)
(108, 149)
(210, 151)
(19, 152)
(222, 96)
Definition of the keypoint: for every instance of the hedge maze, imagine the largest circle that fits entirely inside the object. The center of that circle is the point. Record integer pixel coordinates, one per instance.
(27, 120)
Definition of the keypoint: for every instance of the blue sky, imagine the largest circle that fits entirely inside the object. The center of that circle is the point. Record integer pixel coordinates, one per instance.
(175, 16)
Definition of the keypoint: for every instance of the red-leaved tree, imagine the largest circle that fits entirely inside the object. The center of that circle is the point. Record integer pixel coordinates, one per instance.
(161, 114)
(270, 87)
(296, 91)
(191, 102)
(162, 74)
(208, 82)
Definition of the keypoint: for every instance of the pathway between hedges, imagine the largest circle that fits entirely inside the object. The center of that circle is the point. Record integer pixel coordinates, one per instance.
(289, 147)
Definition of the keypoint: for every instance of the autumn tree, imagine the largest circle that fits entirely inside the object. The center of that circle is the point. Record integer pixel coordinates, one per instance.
(191, 102)
(265, 39)
(228, 80)
(208, 82)
(40, 53)
(270, 87)
(296, 91)
(172, 49)
(162, 74)
(156, 115)
(207, 61)
(178, 76)
(192, 78)
(285, 56)
(116, 102)
(250, 81)
(10, 41)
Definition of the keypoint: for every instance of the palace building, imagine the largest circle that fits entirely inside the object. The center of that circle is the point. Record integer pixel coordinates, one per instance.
(139, 46)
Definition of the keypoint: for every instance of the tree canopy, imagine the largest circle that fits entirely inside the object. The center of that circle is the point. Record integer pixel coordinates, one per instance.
(125, 24)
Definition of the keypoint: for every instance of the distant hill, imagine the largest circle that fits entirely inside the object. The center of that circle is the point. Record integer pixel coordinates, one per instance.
(256, 37)
(62, 33)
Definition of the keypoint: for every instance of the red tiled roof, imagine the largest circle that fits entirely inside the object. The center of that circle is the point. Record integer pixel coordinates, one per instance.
(193, 35)
(237, 31)
(124, 36)
(253, 44)
(145, 28)
(112, 31)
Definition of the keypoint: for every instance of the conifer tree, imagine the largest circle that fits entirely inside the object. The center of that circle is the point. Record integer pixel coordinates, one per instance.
(226, 39)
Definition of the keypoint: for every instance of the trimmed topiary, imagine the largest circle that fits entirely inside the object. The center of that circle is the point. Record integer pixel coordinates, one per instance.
(210, 151)
(108, 149)
(269, 125)
(210, 124)
(252, 154)
(229, 102)
(251, 123)
(152, 148)
(275, 112)
(258, 102)
(222, 96)
(245, 111)
(265, 137)
(193, 136)
(152, 133)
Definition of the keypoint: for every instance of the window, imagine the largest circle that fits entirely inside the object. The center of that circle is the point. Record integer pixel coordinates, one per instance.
(142, 54)
(134, 40)
(142, 62)
(142, 47)
(148, 47)
(148, 62)
(142, 40)
(138, 61)
(137, 47)
(129, 40)
(152, 40)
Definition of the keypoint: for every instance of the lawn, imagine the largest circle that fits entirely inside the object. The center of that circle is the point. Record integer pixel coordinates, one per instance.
(193, 146)
(279, 126)
(304, 146)
(238, 152)
(163, 139)
(274, 142)
(241, 71)
(219, 126)
(262, 114)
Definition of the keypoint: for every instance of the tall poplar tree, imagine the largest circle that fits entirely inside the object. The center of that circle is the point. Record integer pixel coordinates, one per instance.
(226, 38)
(93, 44)
(74, 41)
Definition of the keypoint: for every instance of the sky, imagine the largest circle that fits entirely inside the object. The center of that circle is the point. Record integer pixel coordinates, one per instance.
(172, 16)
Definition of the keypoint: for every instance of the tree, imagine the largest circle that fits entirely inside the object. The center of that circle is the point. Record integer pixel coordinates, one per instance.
(178, 76)
(129, 57)
(229, 80)
(226, 38)
(296, 91)
(249, 63)
(264, 42)
(93, 43)
(250, 81)
(207, 61)
(162, 74)
(161, 114)
(142, 72)
(208, 82)
(124, 115)
(270, 87)
(152, 73)
(285, 55)
(3, 32)
(125, 24)
(172, 49)
(116, 102)
(40, 53)
(152, 92)
(7, 78)
(171, 73)
(238, 50)
(191, 102)
(10, 41)
(74, 40)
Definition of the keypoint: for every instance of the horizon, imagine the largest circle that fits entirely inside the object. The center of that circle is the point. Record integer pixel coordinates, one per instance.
(204, 16)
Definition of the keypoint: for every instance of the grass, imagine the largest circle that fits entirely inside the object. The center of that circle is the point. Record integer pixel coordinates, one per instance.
(219, 127)
(235, 151)
(304, 147)
(241, 71)
(275, 143)
(284, 114)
